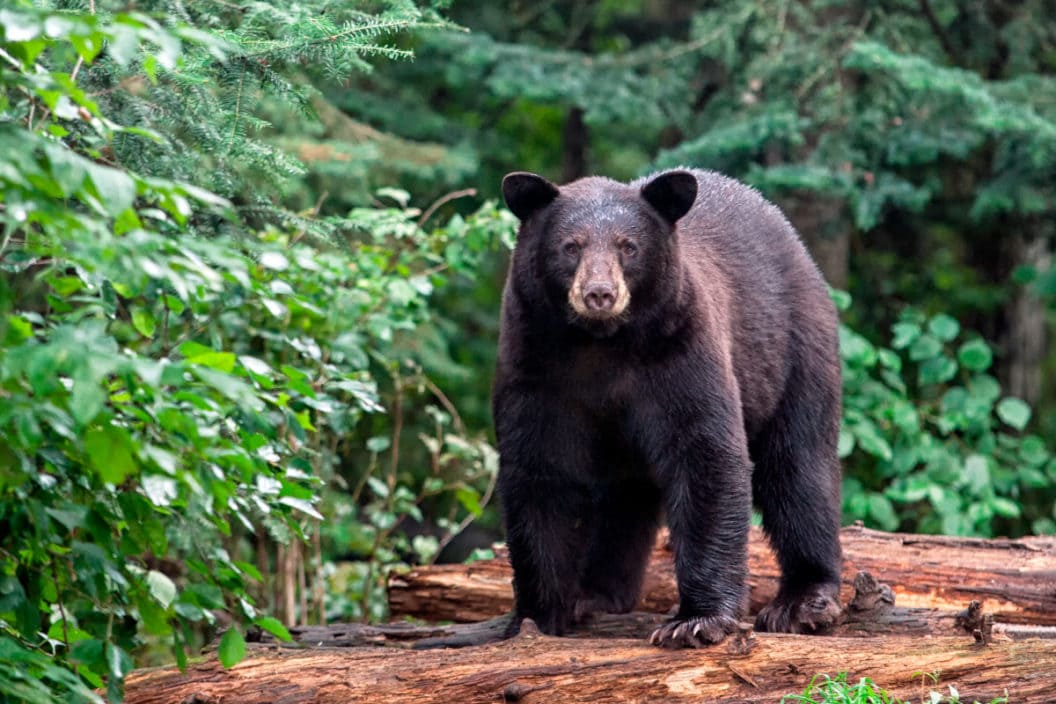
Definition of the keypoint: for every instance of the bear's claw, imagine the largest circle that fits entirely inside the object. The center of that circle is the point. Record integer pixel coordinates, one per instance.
(810, 611)
(695, 632)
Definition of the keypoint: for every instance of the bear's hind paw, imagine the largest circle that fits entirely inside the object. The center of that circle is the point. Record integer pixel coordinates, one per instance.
(811, 611)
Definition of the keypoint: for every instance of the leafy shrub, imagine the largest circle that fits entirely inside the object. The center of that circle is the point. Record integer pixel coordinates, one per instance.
(177, 372)
(929, 442)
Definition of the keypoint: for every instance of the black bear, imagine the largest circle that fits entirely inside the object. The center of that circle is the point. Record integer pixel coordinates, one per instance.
(667, 347)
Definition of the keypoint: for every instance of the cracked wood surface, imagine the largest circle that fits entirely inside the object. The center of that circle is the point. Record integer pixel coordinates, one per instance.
(1015, 579)
(535, 668)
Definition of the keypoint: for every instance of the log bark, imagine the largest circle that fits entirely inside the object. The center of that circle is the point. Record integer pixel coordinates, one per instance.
(534, 668)
(1015, 579)
(865, 616)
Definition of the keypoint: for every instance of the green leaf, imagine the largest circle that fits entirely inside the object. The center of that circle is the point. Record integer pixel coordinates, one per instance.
(1014, 412)
(143, 322)
(161, 490)
(904, 416)
(881, 510)
(975, 355)
(470, 500)
(109, 453)
(72, 516)
(977, 473)
(115, 188)
(232, 647)
(841, 299)
(1032, 450)
(1005, 507)
(161, 588)
(845, 447)
(378, 443)
(905, 334)
(302, 505)
(856, 349)
(937, 370)
(925, 347)
(221, 361)
(275, 261)
(944, 327)
(870, 440)
(118, 661)
(90, 652)
(274, 627)
(254, 365)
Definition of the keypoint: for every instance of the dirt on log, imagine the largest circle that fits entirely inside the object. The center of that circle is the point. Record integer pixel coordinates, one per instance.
(1016, 579)
(536, 668)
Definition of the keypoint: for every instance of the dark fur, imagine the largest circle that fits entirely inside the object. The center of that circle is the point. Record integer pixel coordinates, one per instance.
(725, 360)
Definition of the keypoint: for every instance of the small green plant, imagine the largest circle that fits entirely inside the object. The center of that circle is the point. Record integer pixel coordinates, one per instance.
(823, 689)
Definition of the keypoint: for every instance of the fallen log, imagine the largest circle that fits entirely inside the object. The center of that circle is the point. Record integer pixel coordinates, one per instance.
(871, 612)
(1016, 579)
(536, 668)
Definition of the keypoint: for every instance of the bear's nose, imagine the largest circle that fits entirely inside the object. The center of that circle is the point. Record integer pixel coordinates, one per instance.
(599, 296)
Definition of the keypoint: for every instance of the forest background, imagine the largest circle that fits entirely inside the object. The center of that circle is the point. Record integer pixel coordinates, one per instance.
(251, 255)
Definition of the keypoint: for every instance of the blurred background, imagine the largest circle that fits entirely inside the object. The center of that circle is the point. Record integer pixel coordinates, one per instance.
(911, 143)
(253, 253)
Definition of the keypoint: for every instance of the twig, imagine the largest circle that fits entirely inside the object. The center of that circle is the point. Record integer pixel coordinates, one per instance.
(62, 609)
(444, 199)
(446, 403)
(390, 481)
(73, 73)
(465, 523)
(937, 30)
(318, 590)
(314, 214)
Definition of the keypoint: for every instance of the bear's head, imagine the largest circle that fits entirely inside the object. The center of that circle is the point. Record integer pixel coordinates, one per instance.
(596, 249)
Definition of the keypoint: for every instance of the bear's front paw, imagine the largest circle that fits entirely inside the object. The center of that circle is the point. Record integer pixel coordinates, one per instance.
(806, 611)
(694, 632)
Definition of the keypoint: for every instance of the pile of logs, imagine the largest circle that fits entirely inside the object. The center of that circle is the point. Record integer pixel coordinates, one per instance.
(922, 613)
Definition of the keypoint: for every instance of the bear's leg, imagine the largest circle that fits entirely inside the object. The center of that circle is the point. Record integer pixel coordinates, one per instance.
(796, 485)
(625, 523)
(705, 473)
(545, 536)
(544, 468)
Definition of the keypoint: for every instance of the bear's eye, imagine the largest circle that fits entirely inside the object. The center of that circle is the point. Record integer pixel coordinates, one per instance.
(570, 248)
(629, 249)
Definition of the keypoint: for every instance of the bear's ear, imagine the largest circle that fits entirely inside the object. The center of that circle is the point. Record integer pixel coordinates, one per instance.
(525, 193)
(671, 193)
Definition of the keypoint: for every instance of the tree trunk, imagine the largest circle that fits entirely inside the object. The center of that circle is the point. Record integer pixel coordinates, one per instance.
(825, 227)
(1025, 338)
(535, 668)
(575, 138)
(1016, 579)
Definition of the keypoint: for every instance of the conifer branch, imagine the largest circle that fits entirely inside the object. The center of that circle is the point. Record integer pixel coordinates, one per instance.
(271, 47)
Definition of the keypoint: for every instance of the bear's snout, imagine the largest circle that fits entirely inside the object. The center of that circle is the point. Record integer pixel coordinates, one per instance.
(599, 296)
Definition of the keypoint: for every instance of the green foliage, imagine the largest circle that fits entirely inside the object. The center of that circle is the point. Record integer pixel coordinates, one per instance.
(928, 150)
(928, 441)
(823, 689)
(182, 357)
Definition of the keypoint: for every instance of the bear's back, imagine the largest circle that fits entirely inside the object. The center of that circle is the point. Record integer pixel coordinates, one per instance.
(746, 258)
